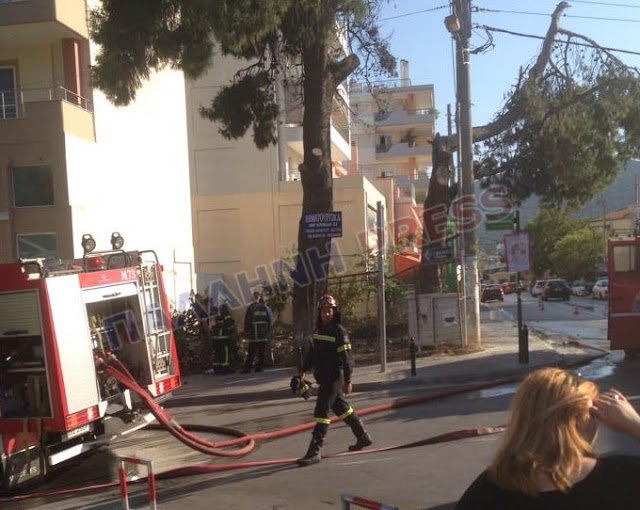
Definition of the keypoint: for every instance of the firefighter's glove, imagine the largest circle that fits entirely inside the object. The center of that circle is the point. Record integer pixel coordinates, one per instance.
(301, 387)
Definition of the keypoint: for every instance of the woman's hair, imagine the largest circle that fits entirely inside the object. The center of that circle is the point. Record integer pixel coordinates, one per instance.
(550, 430)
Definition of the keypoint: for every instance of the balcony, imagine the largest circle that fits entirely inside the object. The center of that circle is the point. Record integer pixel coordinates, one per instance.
(41, 114)
(413, 118)
(12, 102)
(33, 22)
(417, 148)
(379, 86)
(340, 148)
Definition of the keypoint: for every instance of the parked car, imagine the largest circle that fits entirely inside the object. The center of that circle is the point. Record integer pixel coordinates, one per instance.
(492, 293)
(556, 289)
(579, 288)
(536, 288)
(601, 289)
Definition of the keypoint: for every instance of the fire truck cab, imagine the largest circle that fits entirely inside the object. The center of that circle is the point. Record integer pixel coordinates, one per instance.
(59, 320)
(624, 294)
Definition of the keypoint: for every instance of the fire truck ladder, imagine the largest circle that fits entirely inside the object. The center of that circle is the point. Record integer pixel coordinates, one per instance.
(157, 323)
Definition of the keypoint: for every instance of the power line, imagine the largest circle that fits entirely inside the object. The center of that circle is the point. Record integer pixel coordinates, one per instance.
(574, 43)
(415, 12)
(599, 18)
(605, 4)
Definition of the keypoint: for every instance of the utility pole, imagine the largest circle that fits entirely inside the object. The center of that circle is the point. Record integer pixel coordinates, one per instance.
(459, 24)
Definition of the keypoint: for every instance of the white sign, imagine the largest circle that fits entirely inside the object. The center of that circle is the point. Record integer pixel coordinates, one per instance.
(517, 252)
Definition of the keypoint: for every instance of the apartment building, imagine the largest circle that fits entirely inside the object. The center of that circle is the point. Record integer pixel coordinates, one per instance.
(246, 207)
(71, 163)
(392, 123)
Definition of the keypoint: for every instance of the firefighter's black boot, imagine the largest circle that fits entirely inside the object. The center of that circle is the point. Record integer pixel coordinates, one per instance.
(363, 439)
(313, 452)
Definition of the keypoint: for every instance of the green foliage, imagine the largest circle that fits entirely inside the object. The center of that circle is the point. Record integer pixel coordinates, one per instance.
(545, 230)
(139, 37)
(571, 131)
(278, 297)
(578, 254)
(249, 102)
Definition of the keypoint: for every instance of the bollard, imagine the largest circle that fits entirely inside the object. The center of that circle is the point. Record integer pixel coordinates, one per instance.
(523, 345)
(413, 349)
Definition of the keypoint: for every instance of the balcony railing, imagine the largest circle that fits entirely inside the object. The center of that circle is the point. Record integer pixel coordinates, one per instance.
(380, 85)
(385, 114)
(12, 101)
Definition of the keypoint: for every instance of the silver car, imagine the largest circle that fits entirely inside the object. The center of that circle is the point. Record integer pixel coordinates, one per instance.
(537, 287)
(601, 289)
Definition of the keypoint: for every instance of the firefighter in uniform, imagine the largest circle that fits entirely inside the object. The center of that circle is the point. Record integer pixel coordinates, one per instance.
(257, 328)
(223, 340)
(330, 358)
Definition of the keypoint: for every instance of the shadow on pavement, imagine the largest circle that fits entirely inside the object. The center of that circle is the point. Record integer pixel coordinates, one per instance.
(188, 489)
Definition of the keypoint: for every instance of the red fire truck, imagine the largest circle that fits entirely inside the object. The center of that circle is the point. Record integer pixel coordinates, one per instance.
(624, 294)
(58, 322)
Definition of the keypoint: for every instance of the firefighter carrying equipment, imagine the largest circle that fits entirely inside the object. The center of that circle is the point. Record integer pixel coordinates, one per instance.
(299, 385)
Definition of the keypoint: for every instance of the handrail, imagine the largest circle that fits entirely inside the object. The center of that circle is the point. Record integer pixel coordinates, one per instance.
(12, 101)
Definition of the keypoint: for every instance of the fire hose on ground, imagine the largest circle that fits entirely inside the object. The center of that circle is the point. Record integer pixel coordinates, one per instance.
(245, 443)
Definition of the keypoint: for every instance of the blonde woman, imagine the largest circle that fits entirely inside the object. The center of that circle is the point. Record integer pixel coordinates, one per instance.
(547, 460)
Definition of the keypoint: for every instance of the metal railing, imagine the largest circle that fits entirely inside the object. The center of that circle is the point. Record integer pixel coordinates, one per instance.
(378, 85)
(12, 101)
(384, 114)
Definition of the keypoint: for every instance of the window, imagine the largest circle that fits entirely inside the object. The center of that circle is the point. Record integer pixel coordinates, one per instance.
(8, 96)
(32, 246)
(624, 259)
(32, 186)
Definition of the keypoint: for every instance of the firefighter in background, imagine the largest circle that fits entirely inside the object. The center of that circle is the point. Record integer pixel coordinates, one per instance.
(223, 341)
(257, 329)
(330, 358)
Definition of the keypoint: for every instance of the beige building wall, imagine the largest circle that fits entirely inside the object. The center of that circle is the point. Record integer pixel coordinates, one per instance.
(242, 238)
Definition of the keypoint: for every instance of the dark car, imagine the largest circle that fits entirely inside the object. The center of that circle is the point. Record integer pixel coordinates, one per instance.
(492, 293)
(556, 289)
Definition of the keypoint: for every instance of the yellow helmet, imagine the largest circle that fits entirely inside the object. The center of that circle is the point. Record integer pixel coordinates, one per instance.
(327, 300)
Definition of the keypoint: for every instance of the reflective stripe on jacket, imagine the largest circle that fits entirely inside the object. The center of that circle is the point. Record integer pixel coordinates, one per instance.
(330, 353)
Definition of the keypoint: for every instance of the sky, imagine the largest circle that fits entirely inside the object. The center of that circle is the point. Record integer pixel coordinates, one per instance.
(422, 39)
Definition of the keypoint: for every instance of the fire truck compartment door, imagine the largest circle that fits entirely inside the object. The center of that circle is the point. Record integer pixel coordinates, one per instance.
(19, 313)
(74, 342)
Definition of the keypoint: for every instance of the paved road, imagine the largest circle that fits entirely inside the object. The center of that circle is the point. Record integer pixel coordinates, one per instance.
(426, 477)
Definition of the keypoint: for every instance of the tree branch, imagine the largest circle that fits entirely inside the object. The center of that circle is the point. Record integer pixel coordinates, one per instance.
(510, 114)
(340, 70)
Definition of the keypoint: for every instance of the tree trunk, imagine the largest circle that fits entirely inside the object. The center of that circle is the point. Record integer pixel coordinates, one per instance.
(436, 209)
(317, 186)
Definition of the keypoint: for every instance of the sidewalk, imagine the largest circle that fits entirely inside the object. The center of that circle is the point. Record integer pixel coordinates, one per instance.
(498, 359)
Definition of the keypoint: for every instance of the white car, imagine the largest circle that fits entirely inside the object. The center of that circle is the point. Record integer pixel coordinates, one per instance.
(537, 288)
(601, 289)
(579, 289)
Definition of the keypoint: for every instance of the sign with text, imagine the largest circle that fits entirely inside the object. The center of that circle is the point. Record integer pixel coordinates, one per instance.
(441, 254)
(517, 252)
(322, 225)
(502, 223)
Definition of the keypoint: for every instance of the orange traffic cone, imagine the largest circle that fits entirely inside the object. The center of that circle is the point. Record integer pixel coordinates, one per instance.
(575, 309)
(541, 303)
